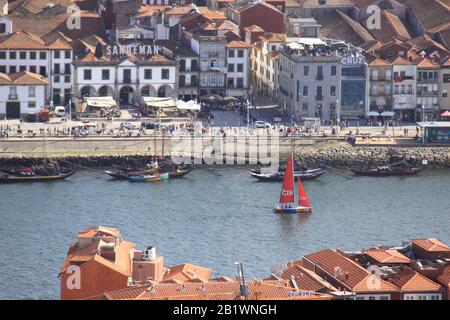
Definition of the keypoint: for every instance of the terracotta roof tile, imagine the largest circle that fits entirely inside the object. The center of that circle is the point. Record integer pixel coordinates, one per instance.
(258, 290)
(187, 271)
(409, 280)
(99, 231)
(237, 44)
(400, 61)
(22, 78)
(444, 278)
(433, 245)
(306, 279)
(348, 272)
(378, 62)
(387, 256)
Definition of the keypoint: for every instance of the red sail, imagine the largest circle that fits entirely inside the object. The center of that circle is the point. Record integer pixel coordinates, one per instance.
(303, 200)
(287, 190)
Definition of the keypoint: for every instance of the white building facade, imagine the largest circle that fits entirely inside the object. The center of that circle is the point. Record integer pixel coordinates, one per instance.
(21, 93)
(21, 51)
(126, 80)
(237, 69)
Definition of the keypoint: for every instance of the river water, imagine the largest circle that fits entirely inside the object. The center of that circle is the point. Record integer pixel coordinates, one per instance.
(211, 218)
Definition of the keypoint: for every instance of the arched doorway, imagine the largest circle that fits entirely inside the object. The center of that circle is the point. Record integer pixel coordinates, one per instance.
(105, 91)
(148, 91)
(127, 95)
(87, 91)
(165, 91)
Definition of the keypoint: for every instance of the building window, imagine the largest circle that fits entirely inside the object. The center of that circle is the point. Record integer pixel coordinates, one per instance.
(127, 75)
(105, 74)
(67, 54)
(23, 55)
(32, 55)
(31, 91)
(31, 105)
(87, 74)
(42, 55)
(57, 54)
(3, 69)
(56, 69)
(67, 79)
(23, 68)
(43, 71)
(230, 67)
(194, 81)
(33, 69)
(12, 69)
(306, 71)
(2, 55)
(194, 65)
(165, 74)
(240, 67)
(56, 79)
(230, 82)
(445, 78)
(2, 27)
(182, 65)
(147, 74)
(12, 55)
(333, 91)
(305, 91)
(231, 53)
(333, 70)
(12, 92)
(240, 53)
(182, 80)
(67, 68)
(240, 83)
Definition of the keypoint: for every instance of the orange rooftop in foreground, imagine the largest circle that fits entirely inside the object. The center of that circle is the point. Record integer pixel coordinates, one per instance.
(101, 265)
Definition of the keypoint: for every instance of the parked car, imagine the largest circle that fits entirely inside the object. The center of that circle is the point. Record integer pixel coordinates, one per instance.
(60, 111)
(148, 125)
(126, 125)
(262, 124)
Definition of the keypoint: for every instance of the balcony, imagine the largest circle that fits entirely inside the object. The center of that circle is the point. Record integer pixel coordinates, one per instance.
(428, 80)
(401, 79)
(380, 79)
(427, 94)
(126, 80)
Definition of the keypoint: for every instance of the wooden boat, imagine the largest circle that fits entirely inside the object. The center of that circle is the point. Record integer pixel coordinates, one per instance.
(149, 178)
(178, 173)
(278, 176)
(34, 178)
(392, 170)
(123, 174)
(287, 198)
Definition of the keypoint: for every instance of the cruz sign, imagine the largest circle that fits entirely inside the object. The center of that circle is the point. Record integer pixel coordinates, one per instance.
(352, 60)
(136, 49)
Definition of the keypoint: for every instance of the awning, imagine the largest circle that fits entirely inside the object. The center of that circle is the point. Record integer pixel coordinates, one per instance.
(157, 102)
(387, 114)
(446, 114)
(211, 97)
(190, 105)
(373, 114)
(101, 102)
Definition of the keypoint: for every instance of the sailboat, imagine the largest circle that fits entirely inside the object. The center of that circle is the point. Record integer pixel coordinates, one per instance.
(287, 198)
